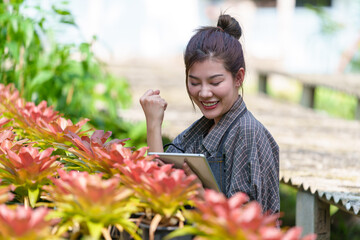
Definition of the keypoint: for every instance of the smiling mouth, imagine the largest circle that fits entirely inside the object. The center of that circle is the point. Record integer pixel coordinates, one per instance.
(209, 104)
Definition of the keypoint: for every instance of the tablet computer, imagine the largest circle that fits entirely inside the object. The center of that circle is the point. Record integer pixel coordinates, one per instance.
(197, 162)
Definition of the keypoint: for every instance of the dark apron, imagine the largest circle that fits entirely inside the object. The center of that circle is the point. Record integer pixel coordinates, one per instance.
(217, 161)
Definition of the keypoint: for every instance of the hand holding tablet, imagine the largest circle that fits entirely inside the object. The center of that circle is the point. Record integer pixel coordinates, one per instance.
(197, 163)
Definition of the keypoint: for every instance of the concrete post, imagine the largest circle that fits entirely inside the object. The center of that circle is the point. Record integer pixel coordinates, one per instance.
(308, 95)
(357, 110)
(313, 215)
(263, 82)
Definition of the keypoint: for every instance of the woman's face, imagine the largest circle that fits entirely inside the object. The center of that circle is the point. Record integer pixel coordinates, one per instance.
(213, 89)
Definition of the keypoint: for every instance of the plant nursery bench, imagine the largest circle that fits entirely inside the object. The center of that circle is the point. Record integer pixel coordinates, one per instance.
(319, 156)
(345, 83)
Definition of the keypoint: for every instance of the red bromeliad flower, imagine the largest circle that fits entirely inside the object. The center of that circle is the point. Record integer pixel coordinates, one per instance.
(24, 223)
(30, 165)
(36, 115)
(87, 189)
(100, 155)
(217, 217)
(36, 121)
(7, 140)
(81, 198)
(47, 123)
(164, 189)
(28, 169)
(63, 126)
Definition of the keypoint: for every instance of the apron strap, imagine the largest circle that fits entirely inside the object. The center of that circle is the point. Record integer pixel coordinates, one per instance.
(223, 139)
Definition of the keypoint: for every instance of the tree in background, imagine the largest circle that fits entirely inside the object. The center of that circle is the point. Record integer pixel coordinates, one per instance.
(350, 57)
(68, 76)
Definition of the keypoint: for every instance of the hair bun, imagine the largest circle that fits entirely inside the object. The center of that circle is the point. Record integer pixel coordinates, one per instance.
(229, 25)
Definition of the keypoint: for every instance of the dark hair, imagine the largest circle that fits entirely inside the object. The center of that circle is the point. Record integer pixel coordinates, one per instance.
(221, 42)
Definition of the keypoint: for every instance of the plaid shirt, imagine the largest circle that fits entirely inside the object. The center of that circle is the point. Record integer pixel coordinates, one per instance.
(251, 154)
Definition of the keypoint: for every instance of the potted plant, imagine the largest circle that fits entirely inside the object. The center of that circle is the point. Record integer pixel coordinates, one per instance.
(25, 167)
(88, 205)
(163, 192)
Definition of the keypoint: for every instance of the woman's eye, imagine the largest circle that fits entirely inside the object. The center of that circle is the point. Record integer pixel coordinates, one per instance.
(215, 83)
(194, 84)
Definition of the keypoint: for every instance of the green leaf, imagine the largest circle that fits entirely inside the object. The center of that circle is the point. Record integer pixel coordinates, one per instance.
(28, 33)
(13, 49)
(33, 196)
(14, 24)
(95, 229)
(60, 11)
(187, 230)
(68, 20)
(41, 78)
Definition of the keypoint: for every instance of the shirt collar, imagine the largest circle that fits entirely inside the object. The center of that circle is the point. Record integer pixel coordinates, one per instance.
(212, 140)
(198, 130)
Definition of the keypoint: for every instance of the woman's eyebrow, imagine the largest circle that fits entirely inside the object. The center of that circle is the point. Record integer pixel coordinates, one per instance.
(216, 75)
(191, 76)
(211, 77)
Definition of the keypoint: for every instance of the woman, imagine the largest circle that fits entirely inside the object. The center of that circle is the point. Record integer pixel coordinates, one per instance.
(241, 152)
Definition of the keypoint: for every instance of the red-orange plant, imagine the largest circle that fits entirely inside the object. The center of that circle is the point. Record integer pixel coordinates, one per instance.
(7, 137)
(28, 170)
(37, 122)
(25, 223)
(102, 155)
(162, 189)
(90, 202)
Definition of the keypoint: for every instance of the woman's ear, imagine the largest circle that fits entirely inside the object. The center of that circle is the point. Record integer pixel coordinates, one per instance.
(239, 78)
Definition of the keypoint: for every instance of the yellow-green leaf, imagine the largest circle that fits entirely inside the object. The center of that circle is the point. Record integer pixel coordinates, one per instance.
(95, 229)
(33, 196)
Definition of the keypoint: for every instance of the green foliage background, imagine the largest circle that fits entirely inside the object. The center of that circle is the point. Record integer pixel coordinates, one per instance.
(67, 76)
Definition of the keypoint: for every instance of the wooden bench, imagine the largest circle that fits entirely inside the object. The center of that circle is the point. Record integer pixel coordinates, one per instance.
(346, 83)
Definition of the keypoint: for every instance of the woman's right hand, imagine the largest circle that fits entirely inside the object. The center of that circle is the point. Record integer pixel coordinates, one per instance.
(153, 106)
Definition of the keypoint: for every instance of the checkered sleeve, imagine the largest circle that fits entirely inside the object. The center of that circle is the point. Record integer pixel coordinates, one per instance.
(255, 167)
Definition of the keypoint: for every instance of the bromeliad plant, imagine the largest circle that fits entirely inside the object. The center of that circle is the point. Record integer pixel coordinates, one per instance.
(217, 218)
(24, 223)
(91, 203)
(28, 170)
(97, 154)
(37, 122)
(163, 190)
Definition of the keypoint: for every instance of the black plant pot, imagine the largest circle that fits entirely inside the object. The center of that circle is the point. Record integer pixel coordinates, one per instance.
(117, 235)
(161, 232)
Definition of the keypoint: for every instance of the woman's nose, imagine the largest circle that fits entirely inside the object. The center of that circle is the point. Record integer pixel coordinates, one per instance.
(205, 92)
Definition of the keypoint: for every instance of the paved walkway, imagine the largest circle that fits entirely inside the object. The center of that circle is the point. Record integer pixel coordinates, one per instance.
(320, 153)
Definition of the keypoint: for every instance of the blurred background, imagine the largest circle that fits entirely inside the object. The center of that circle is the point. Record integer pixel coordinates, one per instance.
(301, 36)
(95, 58)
